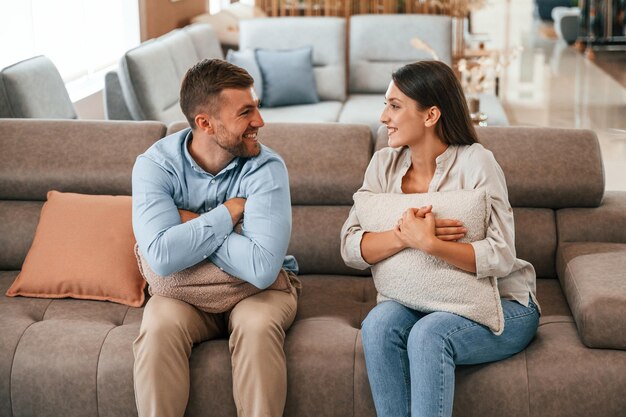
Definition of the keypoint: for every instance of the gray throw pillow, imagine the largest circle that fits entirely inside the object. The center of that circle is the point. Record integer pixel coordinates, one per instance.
(288, 76)
(246, 59)
(424, 282)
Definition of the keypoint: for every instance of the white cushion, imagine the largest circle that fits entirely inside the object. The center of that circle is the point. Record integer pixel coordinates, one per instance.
(424, 282)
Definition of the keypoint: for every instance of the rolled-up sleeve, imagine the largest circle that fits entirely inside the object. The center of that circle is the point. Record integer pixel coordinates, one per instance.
(352, 232)
(168, 245)
(495, 255)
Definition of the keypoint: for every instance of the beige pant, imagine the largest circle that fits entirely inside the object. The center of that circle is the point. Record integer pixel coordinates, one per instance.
(257, 328)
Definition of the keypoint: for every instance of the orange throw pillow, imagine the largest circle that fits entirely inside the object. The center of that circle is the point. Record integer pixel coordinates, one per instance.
(83, 248)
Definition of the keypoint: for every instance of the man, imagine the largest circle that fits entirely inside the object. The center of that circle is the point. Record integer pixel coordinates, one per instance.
(217, 168)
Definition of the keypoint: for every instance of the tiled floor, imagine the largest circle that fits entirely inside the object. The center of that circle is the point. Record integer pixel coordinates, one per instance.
(551, 84)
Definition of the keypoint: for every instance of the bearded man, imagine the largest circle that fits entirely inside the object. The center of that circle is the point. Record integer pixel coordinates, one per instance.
(217, 169)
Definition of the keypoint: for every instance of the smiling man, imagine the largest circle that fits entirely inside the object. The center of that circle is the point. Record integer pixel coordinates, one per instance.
(217, 169)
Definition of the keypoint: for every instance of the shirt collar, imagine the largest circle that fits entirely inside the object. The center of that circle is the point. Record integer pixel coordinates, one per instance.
(195, 165)
(440, 160)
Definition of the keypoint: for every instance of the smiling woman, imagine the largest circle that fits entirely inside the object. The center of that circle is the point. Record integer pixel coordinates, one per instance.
(81, 37)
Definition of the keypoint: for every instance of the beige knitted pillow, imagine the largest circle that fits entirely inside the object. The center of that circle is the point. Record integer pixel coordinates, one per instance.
(424, 282)
(204, 285)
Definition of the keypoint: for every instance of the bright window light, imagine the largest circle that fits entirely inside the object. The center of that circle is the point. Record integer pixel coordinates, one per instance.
(81, 37)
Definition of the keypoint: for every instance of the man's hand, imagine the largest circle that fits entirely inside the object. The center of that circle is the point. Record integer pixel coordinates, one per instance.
(235, 208)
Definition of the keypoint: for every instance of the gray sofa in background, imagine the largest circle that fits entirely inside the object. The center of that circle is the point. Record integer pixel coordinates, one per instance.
(351, 78)
(33, 88)
(380, 44)
(147, 82)
(327, 37)
(74, 357)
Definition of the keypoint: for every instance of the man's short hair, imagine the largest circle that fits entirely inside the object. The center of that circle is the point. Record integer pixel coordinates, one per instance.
(204, 82)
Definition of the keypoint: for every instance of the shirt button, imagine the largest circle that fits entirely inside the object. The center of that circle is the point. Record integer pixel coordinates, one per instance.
(225, 236)
(212, 181)
(221, 269)
(205, 256)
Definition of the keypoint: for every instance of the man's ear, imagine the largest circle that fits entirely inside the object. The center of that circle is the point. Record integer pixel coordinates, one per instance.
(203, 122)
(432, 117)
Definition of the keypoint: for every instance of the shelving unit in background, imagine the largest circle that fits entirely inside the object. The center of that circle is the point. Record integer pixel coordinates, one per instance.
(602, 26)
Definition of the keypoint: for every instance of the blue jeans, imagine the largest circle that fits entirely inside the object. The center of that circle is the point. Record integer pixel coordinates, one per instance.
(411, 356)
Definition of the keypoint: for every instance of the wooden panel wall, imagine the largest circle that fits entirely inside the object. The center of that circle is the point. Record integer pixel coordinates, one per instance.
(158, 17)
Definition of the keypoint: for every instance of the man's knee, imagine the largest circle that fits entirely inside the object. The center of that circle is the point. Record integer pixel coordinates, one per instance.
(162, 323)
(257, 331)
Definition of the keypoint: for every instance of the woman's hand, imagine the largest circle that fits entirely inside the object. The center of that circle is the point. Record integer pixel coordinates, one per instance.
(417, 228)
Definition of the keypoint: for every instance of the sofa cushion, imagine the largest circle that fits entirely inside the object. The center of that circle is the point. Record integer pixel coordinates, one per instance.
(325, 34)
(337, 170)
(163, 62)
(565, 378)
(18, 222)
(364, 109)
(594, 281)
(205, 41)
(35, 89)
(246, 59)
(606, 223)
(5, 105)
(421, 281)
(288, 77)
(380, 44)
(82, 249)
(535, 239)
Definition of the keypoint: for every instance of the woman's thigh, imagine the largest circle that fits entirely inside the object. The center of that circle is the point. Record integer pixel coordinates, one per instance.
(389, 317)
(471, 343)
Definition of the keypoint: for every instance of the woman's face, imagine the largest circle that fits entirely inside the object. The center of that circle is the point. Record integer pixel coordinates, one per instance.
(404, 121)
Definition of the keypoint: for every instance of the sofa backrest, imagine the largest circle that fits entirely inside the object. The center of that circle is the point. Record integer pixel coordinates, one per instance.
(34, 88)
(380, 44)
(89, 157)
(326, 163)
(5, 107)
(325, 34)
(150, 74)
(115, 107)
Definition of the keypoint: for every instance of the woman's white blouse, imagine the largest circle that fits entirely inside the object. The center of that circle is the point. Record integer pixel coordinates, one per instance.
(459, 167)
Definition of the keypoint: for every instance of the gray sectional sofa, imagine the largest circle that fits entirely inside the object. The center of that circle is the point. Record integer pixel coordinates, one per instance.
(351, 76)
(73, 357)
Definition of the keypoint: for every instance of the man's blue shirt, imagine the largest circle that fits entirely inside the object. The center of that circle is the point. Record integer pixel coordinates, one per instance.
(166, 178)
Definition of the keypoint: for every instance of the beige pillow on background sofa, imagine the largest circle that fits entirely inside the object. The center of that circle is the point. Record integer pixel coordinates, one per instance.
(204, 285)
(424, 282)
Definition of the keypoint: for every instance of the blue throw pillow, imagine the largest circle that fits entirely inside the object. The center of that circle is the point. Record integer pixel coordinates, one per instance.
(246, 59)
(288, 76)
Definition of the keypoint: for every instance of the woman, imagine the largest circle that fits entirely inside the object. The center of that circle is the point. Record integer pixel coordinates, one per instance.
(410, 355)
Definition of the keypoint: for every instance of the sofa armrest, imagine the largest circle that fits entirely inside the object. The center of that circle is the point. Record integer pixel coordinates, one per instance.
(605, 223)
(593, 278)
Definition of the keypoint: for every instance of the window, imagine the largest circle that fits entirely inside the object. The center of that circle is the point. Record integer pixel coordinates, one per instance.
(81, 37)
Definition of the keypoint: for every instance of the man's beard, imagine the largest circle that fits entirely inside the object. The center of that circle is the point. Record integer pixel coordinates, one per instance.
(240, 149)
